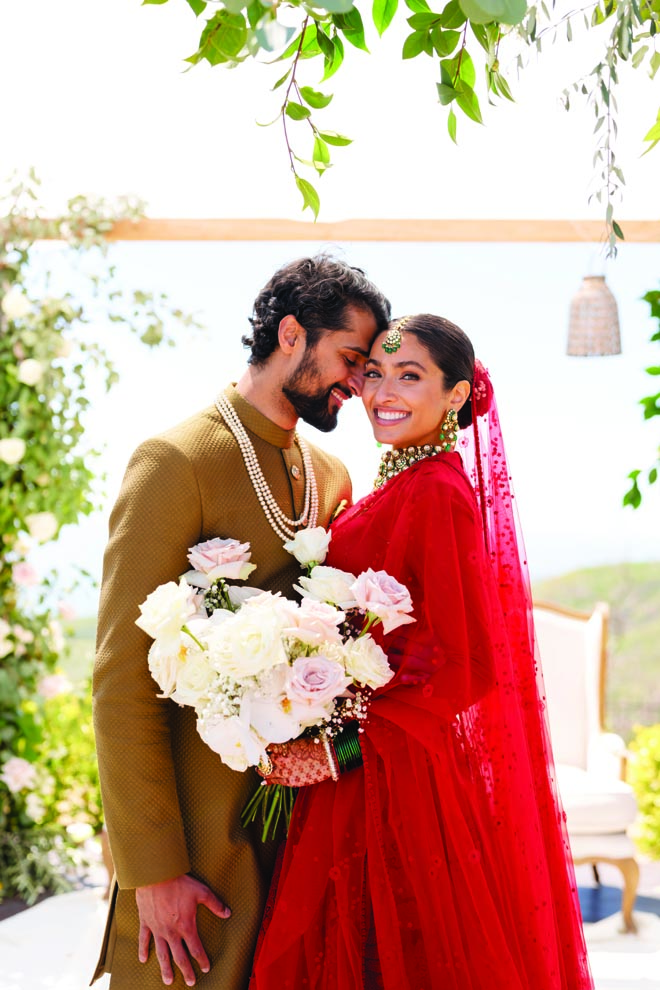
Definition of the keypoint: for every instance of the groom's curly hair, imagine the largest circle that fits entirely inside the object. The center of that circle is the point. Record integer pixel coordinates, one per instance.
(316, 291)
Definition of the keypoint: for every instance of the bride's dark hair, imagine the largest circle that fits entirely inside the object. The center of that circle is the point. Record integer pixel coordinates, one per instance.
(451, 349)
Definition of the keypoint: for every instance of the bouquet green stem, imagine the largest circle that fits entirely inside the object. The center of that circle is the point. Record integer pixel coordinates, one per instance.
(269, 803)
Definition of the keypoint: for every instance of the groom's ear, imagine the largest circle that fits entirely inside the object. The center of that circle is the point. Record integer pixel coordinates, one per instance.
(290, 334)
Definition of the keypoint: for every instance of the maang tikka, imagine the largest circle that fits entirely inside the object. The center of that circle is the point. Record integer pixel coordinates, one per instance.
(393, 338)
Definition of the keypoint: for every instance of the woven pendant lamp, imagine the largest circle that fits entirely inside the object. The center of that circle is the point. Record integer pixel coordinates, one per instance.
(593, 327)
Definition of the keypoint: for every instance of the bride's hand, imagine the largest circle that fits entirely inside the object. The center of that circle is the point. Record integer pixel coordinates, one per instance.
(298, 763)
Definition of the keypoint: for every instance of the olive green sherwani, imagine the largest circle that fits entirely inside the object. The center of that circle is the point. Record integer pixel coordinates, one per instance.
(171, 806)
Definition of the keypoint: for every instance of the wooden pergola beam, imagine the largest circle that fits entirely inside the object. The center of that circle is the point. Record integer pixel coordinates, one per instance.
(479, 231)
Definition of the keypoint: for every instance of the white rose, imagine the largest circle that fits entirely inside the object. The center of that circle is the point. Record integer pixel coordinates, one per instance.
(53, 685)
(56, 634)
(316, 622)
(194, 678)
(12, 450)
(30, 372)
(232, 739)
(329, 584)
(6, 647)
(379, 594)
(367, 663)
(238, 595)
(165, 611)
(35, 807)
(64, 348)
(15, 304)
(164, 664)
(18, 774)
(310, 546)
(42, 526)
(80, 831)
(250, 640)
(275, 719)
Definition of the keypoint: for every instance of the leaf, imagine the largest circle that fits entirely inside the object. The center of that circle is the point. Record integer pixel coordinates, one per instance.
(423, 21)
(444, 42)
(468, 102)
(145, 2)
(451, 125)
(321, 153)
(654, 64)
(418, 6)
(222, 39)
(500, 11)
(653, 370)
(617, 230)
(639, 56)
(335, 6)
(333, 61)
(452, 15)
(633, 496)
(310, 45)
(314, 98)
(459, 68)
(331, 137)
(309, 195)
(197, 6)
(446, 93)
(282, 79)
(503, 86)
(296, 111)
(414, 45)
(383, 11)
(352, 28)
(653, 476)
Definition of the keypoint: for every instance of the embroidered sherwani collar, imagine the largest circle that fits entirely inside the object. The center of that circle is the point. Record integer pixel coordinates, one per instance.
(257, 423)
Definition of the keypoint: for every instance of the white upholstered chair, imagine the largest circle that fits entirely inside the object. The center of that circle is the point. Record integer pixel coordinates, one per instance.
(599, 805)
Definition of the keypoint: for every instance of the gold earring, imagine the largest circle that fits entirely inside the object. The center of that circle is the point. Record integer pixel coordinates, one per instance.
(449, 431)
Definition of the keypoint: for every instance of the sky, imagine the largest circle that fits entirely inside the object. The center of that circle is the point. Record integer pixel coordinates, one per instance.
(105, 108)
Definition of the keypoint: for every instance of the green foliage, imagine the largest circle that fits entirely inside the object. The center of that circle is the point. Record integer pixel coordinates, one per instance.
(644, 776)
(48, 364)
(464, 36)
(651, 407)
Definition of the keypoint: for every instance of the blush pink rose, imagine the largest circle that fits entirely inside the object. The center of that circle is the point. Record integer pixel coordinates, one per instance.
(24, 574)
(316, 623)
(316, 680)
(221, 558)
(379, 594)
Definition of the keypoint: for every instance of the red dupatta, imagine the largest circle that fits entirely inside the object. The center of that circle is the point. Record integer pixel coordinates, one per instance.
(446, 852)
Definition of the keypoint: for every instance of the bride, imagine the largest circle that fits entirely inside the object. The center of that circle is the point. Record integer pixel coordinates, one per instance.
(438, 860)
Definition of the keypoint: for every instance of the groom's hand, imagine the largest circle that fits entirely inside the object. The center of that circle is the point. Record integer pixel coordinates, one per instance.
(168, 911)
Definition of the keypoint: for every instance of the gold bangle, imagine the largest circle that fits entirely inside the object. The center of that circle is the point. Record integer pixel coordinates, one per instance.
(332, 759)
(265, 767)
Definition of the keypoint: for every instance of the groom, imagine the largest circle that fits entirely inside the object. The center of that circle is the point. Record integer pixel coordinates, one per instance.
(172, 808)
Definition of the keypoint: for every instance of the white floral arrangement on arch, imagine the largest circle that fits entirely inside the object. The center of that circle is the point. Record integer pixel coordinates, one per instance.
(259, 668)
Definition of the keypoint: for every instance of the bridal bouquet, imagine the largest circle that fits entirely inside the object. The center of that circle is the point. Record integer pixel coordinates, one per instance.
(259, 668)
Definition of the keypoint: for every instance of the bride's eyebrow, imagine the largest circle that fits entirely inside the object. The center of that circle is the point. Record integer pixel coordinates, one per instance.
(399, 364)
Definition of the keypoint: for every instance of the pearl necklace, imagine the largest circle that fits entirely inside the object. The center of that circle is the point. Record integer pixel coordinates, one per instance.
(279, 522)
(397, 460)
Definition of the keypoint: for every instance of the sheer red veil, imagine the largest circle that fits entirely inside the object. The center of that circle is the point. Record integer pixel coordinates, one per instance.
(445, 858)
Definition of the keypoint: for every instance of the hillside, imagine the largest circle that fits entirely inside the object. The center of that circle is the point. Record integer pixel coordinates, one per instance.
(633, 594)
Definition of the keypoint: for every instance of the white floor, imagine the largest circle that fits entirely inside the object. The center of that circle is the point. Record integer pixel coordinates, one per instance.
(53, 946)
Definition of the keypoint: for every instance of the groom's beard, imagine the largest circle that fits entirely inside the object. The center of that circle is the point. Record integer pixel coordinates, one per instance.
(310, 401)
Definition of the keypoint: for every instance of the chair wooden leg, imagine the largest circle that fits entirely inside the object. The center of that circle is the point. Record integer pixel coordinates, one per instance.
(630, 872)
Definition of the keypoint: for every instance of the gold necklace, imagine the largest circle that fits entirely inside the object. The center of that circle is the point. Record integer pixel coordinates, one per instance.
(279, 522)
(398, 459)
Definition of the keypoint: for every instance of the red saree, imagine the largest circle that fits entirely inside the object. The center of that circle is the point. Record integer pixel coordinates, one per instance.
(442, 863)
